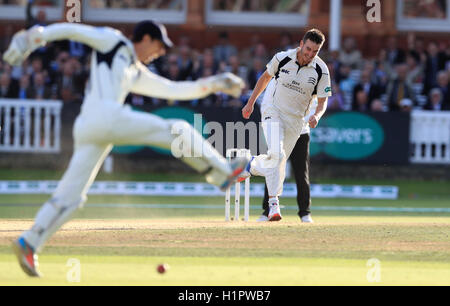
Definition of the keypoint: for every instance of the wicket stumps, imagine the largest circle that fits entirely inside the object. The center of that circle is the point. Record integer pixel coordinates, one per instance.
(237, 190)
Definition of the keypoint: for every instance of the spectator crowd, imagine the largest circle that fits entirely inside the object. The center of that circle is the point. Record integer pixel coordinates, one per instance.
(398, 79)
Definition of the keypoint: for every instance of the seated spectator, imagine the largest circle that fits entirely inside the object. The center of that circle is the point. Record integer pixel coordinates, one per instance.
(247, 54)
(18, 71)
(172, 61)
(285, 42)
(372, 90)
(57, 65)
(377, 106)
(25, 90)
(337, 101)
(370, 67)
(435, 62)
(398, 88)
(436, 101)
(207, 63)
(255, 72)
(8, 88)
(443, 83)
(415, 69)
(222, 67)
(234, 66)
(224, 49)
(406, 105)
(394, 54)
(332, 72)
(334, 65)
(349, 54)
(69, 83)
(361, 102)
(346, 84)
(260, 51)
(185, 63)
(36, 65)
(174, 75)
(40, 90)
(383, 69)
(210, 100)
(416, 48)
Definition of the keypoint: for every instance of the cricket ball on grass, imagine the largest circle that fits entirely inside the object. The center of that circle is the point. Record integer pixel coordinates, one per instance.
(162, 268)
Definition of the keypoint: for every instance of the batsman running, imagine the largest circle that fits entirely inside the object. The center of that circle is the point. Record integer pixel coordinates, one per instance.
(116, 70)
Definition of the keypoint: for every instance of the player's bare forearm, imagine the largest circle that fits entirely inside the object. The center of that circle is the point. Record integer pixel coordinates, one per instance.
(259, 88)
(261, 85)
(320, 111)
(321, 107)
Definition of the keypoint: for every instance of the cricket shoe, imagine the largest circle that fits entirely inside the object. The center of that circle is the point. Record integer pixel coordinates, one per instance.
(246, 173)
(237, 166)
(274, 213)
(307, 219)
(28, 259)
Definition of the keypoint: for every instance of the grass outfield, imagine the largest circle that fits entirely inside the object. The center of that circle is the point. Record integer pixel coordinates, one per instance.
(122, 246)
(207, 251)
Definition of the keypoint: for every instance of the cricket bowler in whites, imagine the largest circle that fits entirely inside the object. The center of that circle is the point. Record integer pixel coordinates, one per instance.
(116, 70)
(298, 76)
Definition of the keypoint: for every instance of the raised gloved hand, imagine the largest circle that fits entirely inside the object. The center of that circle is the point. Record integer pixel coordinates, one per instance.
(22, 44)
(227, 83)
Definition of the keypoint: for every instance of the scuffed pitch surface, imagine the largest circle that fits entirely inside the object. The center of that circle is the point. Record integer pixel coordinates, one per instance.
(200, 251)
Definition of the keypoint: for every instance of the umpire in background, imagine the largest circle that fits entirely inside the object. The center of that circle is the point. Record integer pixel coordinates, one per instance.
(300, 165)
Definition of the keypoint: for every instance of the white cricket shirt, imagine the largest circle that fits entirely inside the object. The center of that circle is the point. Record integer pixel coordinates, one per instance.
(296, 85)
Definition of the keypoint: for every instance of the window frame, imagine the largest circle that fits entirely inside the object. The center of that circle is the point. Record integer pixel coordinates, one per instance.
(133, 15)
(422, 24)
(18, 12)
(256, 19)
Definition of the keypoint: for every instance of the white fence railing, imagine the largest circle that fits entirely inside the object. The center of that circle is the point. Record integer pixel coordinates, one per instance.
(30, 126)
(430, 137)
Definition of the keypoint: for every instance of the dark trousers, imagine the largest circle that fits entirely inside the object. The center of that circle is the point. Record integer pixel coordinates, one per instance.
(300, 166)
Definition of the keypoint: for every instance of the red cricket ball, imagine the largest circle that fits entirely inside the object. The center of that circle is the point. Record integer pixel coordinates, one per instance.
(162, 268)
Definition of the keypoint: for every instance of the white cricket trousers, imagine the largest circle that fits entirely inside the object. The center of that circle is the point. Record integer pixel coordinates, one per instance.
(281, 133)
(96, 130)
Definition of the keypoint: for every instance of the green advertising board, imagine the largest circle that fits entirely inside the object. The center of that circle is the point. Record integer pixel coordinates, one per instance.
(347, 136)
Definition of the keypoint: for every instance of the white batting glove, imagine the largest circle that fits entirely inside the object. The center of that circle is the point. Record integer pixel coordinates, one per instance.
(22, 44)
(227, 83)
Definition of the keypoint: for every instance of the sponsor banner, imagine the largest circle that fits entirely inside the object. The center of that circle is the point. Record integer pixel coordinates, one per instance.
(223, 127)
(199, 189)
(341, 136)
(351, 137)
(362, 137)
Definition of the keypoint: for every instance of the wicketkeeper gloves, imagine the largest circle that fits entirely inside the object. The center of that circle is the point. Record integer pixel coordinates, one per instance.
(22, 44)
(227, 83)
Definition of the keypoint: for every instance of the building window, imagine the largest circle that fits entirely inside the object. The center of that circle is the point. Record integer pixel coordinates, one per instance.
(423, 15)
(15, 9)
(284, 13)
(166, 11)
